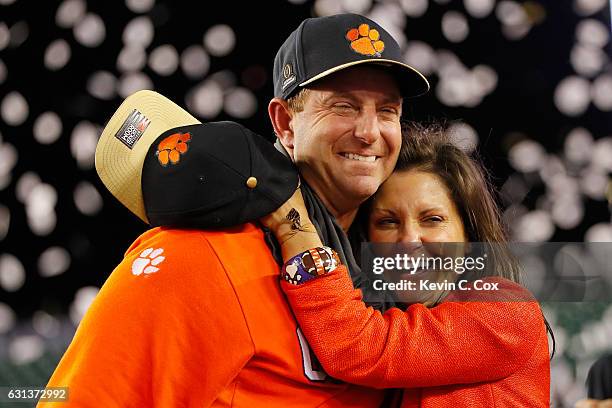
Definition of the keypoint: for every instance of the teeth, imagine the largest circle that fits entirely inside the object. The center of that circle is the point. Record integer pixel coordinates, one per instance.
(353, 156)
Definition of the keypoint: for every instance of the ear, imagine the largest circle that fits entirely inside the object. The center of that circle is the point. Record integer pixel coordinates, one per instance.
(281, 116)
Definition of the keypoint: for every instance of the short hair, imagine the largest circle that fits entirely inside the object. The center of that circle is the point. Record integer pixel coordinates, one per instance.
(297, 101)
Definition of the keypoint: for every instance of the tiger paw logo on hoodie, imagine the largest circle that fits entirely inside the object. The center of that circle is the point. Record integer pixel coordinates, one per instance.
(148, 261)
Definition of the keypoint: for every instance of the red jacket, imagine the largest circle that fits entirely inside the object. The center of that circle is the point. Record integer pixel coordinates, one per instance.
(490, 352)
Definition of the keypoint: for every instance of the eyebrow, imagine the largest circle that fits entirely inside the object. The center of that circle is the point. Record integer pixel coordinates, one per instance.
(433, 209)
(390, 99)
(425, 211)
(393, 99)
(383, 210)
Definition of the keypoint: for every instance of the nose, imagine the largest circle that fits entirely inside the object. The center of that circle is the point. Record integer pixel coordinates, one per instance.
(367, 129)
(410, 236)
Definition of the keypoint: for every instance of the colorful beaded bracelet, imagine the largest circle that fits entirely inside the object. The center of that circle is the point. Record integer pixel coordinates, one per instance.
(310, 264)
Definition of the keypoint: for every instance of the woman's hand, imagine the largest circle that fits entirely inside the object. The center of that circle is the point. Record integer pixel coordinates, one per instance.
(292, 227)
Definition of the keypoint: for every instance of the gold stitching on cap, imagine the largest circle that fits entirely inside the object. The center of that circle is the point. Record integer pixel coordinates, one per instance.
(251, 182)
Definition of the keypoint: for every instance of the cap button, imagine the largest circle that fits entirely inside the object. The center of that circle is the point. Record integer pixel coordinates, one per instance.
(251, 182)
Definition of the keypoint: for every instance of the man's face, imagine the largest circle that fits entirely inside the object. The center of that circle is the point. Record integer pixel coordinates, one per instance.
(347, 137)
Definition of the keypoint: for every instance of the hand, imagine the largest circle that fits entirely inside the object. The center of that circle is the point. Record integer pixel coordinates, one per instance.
(591, 403)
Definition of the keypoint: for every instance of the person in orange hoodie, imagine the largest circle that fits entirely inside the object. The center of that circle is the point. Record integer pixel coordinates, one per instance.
(451, 348)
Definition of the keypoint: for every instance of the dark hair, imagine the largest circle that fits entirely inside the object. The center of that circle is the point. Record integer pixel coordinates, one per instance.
(430, 149)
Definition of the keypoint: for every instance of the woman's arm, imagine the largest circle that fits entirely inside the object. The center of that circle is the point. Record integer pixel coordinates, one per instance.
(452, 343)
(292, 227)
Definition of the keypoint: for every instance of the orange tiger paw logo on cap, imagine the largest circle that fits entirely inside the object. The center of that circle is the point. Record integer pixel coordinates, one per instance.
(171, 148)
(365, 41)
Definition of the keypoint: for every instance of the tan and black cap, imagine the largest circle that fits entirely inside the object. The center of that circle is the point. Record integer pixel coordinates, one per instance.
(170, 169)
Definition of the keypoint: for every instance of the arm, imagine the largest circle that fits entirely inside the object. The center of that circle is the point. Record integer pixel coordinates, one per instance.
(158, 340)
(452, 343)
(295, 233)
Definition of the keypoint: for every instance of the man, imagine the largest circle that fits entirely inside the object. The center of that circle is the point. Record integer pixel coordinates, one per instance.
(338, 84)
(194, 317)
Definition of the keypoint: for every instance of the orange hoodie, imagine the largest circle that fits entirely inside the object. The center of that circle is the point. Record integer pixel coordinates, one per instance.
(491, 351)
(196, 319)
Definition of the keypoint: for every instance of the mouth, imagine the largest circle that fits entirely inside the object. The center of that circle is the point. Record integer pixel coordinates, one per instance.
(419, 270)
(358, 157)
(417, 275)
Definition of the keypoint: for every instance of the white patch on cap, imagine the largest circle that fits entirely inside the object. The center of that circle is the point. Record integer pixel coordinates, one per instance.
(288, 76)
(133, 128)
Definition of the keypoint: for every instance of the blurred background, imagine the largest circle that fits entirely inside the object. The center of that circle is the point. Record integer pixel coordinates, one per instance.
(527, 85)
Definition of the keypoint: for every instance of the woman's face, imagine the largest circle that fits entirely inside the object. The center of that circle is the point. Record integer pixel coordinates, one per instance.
(413, 206)
(415, 210)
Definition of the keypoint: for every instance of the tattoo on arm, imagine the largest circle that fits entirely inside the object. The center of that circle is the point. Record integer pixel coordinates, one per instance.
(294, 218)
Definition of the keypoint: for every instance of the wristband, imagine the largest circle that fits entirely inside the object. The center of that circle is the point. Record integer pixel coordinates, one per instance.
(310, 264)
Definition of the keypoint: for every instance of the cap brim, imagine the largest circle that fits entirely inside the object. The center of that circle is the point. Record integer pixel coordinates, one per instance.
(412, 83)
(118, 166)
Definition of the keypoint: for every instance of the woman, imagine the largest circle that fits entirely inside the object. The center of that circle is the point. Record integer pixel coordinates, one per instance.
(486, 348)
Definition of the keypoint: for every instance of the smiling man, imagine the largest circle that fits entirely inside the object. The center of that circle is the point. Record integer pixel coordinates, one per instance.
(339, 83)
(344, 136)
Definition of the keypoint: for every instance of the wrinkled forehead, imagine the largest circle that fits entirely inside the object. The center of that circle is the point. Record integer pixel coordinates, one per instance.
(371, 79)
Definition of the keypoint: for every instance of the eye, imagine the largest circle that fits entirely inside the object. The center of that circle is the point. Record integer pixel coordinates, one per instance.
(387, 222)
(343, 106)
(434, 219)
(390, 110)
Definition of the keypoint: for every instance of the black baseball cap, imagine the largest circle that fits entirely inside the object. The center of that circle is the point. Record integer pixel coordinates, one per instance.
(324, 45)
(171, 170)
(214, 175)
